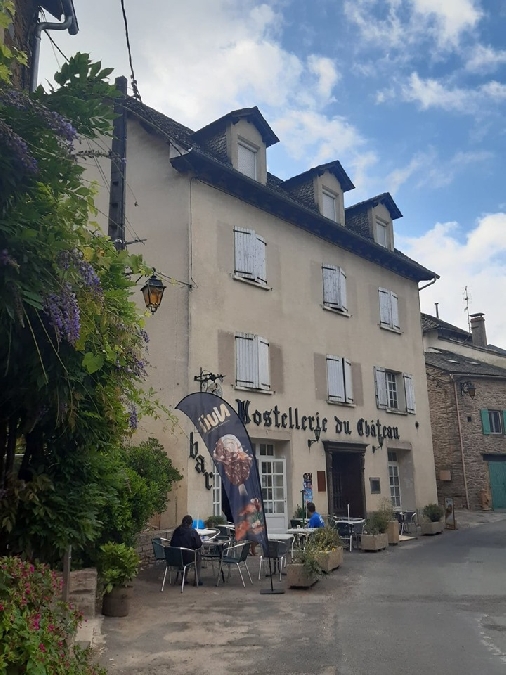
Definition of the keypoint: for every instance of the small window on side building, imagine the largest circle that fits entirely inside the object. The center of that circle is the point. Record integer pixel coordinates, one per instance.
(375, 486)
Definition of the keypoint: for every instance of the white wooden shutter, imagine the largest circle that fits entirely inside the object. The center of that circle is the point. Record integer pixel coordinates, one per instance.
(247, 161)
(330, 285)
(348, 381)
(394, 306)
(245, 243)
(246, 360)
(343, 299)
(335, 379)
(385, 307)
(409, 390)
(264, 379)
(380, 381)
(329, 206)
(260, 267)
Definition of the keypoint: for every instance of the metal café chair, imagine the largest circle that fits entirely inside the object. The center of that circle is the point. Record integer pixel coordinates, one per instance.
(235, 555)
(345, 531)
(276, 551)
(159, 545)
(180, 559)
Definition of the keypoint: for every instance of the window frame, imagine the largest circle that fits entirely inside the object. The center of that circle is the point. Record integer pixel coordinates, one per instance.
(334, 289)
(343, 394)
(383, 226)
(389, 310)
(404, 389)
(255, 364)
(326, 193)
(395, 498)
(245, 145)
(500, 418)
(250, 254)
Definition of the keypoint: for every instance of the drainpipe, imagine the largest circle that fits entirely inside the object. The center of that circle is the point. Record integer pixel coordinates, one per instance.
(461, 441)
(429, 284)
(69, 22)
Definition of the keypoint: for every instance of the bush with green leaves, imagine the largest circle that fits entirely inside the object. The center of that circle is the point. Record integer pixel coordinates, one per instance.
(36, 628)
(324, 539)
(213, 521)
(308, 558)
(377, 522)
(117, 565)
(433, 512)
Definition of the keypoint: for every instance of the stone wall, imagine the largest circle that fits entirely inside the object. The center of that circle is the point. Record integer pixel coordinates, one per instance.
(144, 547)
(20, 35)
(491, 395)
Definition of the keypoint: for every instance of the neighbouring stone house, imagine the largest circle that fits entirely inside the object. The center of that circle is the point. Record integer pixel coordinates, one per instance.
(466, 380)
(307, 309)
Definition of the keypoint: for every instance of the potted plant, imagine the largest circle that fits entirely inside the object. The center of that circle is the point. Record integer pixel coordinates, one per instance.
(327, 548)
(118, 565)
(213, 521)
(393, 524)
(374, 536)
(432, 522)
(304, 570)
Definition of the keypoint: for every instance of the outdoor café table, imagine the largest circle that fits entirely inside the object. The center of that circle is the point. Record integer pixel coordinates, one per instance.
(274, 536)
(207, 533)
(301, 532)
(352, 523)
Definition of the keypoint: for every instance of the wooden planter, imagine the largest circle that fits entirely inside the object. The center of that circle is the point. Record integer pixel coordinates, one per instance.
(117, 602)
(432, 528)
(374, 542)
(330, 560)
(393, 532)
(298, 577)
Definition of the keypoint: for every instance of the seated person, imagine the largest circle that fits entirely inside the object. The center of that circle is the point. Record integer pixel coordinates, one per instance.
(186, 536)
(315, 520)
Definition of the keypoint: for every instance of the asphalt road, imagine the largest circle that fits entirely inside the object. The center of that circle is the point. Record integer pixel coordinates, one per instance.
(436, 606)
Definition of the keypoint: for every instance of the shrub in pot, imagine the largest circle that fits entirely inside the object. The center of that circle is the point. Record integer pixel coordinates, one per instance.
(393, 524)
(374, 537)
(304, 571)
(213, 521)
(432, 522)
(118, 565)
(327, 548)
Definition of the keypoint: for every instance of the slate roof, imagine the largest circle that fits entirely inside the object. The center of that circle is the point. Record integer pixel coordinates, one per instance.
(334, 168)
(252, 115)
(433, 323)
(275, 197)
(463, 365)
(386, 199)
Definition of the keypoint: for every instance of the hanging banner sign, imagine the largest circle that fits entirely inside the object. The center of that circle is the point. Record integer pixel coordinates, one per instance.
(230, 448)
(308, 487)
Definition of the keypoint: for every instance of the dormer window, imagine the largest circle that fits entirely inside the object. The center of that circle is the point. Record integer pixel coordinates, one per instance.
(381, 233)
(247, 159)
(329, 206)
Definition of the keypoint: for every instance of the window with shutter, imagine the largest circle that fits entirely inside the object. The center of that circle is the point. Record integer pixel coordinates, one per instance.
(348, 381)
(329, 206)
(334, 287)
(410, 394)
(335, 379)
(250, 255)
(389, 309)
(247, 160)
(381, 232)
(381, 387)
(485, 423)
(252, 361)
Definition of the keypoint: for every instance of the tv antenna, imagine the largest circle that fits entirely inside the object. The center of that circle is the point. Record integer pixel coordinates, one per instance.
(467, 300)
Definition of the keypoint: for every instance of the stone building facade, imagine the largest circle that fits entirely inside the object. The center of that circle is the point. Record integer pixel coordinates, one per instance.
(467, 397)
(312, 323)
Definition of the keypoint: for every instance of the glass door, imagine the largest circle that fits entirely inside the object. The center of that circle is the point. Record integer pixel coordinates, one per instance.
(273, 482)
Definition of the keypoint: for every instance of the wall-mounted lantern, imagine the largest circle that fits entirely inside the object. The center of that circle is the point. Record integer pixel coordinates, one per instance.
(153, 291)
(317, 434)
(468, 387)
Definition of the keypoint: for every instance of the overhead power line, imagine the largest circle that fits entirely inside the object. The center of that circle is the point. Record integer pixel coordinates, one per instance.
(132, 74)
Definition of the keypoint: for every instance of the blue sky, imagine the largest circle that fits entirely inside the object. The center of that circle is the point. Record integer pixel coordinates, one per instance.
(409, 95)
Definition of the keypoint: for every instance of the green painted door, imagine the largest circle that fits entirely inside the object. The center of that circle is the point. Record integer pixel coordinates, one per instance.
(498, 484)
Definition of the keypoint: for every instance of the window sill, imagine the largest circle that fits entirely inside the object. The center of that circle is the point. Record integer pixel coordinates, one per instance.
(336, 310)
(269, 392)
(396, 412)
(250, 282)
(391, 329)
(342, 404)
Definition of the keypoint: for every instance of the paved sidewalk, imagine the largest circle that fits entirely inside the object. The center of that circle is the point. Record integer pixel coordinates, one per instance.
(467, 518)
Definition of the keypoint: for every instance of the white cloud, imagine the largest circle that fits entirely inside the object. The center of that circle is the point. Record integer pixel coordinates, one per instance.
(485, 59)
(399, 176)
(326, 72)
(431, 93)
(476, 260)
(400, 24)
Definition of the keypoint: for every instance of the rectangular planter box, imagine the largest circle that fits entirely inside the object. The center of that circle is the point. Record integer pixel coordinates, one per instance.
(432, 528)
(330, 560)
(393, 532)
(297, 577)
(374, 542)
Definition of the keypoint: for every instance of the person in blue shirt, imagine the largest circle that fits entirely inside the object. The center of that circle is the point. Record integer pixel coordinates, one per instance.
(315, 520)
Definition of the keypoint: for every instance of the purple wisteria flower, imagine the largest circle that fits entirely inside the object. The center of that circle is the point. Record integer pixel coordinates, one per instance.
(86, 271)
(132, 416)
(18, 147)
(63, 312)
(6, 259)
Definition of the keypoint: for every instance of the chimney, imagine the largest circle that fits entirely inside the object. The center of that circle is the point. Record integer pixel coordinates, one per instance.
(478, 329)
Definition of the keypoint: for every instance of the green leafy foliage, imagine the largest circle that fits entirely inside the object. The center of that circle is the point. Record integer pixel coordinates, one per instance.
(377, 522)
(36, 628)
(117, 565)
(324, 539)
(212, 521)
(433, 512)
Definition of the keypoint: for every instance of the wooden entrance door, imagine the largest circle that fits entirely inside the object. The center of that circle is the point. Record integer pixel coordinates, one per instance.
(346, 484)
(497, 471)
